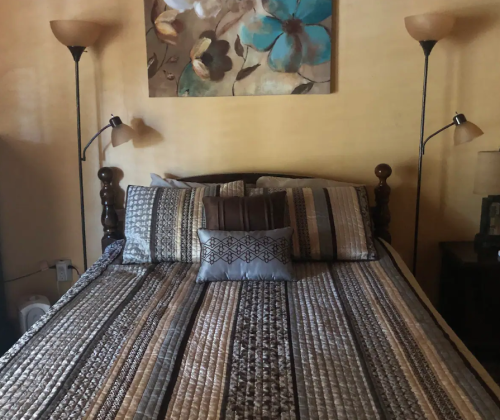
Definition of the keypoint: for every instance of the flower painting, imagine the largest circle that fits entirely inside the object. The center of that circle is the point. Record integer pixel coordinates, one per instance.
(238, 47)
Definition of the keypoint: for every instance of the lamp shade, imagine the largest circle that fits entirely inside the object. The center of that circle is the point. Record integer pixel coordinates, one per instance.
(430, 26)
(466, 132)
(121, 134)
(487, 180)
(76, 33)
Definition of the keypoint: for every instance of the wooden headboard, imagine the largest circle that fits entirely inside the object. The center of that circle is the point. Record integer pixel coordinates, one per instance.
(110, 221)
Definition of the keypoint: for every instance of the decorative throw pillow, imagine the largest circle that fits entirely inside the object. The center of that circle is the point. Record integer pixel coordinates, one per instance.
(158, 181)
(258, 255)
(260, 212)
(279, 182)
(161, 224)
(329, 223)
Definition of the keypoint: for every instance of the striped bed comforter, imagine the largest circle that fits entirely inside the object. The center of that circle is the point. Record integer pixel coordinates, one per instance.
(346, 341)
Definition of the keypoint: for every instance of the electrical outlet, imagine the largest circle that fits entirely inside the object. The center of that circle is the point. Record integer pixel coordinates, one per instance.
(64, 272)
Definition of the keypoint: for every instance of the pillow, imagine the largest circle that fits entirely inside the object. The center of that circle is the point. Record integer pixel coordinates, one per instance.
(278, 182)
(259, 255)
(329, 223)
(261, 212)
(158, 181)
(161, 224)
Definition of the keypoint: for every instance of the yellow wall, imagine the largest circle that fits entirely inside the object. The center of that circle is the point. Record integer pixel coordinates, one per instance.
(373, 117)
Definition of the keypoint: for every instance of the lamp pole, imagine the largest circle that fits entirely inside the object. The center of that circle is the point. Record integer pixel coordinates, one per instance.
(77, 52)
(427, 47)
(113, 122)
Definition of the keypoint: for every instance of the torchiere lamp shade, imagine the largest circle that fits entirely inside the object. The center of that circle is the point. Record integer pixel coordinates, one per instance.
(76, 33)
(429, 26)
(487, 181)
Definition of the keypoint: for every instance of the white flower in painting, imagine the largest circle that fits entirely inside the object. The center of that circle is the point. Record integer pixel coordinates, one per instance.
(168, 27)
(204, 8)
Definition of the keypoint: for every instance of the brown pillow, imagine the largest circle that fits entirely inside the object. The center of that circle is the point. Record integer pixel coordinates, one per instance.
(260, 212)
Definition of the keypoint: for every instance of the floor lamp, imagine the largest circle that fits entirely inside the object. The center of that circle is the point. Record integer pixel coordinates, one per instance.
(77, 36)
(428, 29)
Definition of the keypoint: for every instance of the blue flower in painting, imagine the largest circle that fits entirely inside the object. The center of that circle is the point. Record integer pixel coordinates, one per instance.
(291, 33)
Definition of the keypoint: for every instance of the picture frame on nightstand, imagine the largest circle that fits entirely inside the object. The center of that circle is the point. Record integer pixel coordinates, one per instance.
(489, 229)
(487, 183)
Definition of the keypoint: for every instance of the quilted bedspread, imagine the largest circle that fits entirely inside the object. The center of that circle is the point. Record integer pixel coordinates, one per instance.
(346, 341)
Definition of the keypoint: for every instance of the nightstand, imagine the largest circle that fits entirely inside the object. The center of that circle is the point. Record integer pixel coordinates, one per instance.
(7, 335)
(469, 298)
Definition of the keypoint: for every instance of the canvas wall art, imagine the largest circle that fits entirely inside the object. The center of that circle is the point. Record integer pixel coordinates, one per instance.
(238, 47)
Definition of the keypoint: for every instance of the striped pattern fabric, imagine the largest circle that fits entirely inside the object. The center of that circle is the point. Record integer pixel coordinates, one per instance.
(349, 340)
(329, 223)
(161, 224)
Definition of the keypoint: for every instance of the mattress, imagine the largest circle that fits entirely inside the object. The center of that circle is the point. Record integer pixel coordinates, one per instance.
(352, 340)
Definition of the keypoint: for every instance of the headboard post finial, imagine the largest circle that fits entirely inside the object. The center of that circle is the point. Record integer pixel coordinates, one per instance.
(109, 217)
(381, 213)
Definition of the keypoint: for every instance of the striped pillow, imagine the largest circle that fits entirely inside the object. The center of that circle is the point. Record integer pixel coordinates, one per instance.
(161, 224)
(329, 223)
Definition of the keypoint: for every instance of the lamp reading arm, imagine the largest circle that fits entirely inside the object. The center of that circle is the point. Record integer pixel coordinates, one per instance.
(435, 134)
(113, 122)
(83, 157)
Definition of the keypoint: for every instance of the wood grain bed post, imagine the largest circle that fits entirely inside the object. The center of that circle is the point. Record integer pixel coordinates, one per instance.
(109, 217)
(381, 212)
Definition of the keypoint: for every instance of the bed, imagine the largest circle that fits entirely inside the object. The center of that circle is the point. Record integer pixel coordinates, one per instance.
(347, 340)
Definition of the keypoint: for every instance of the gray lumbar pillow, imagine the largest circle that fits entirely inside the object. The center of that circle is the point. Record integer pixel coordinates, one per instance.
(278, 182)
(158, 181)
(237, 255)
